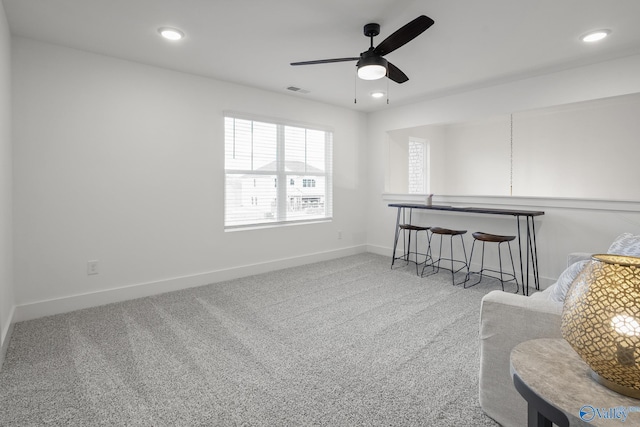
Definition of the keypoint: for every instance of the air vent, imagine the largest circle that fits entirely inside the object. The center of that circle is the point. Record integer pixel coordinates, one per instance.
(297, 89)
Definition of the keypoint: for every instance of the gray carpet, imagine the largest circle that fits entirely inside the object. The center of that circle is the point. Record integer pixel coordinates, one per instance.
(346, 342)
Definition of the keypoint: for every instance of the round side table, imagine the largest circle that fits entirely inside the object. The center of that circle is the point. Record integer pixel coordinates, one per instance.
(558, 388)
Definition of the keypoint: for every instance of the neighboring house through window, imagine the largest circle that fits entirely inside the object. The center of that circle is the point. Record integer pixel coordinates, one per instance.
(276, 172)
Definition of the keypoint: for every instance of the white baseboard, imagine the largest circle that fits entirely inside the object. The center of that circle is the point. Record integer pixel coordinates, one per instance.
(379, 250)
(51, 307)
(5, 336)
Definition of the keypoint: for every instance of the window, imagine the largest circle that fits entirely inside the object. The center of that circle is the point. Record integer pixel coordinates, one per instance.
(418, 152)
(275, 172)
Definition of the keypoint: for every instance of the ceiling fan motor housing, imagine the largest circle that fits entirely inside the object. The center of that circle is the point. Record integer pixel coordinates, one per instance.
(371, 30)
(371, 58)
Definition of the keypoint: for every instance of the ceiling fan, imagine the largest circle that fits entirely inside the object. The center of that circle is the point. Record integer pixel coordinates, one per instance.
(371, 64)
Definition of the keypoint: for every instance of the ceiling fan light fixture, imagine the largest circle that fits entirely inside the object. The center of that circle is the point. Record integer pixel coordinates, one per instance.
(372, 67)
(377, 94)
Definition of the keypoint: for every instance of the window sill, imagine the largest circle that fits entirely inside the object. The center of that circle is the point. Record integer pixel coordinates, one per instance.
(275, 225)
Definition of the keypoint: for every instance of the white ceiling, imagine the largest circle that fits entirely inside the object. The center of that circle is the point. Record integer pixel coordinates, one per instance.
(473, 43)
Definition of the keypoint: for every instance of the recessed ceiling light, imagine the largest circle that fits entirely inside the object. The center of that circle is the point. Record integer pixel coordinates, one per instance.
(377, 94)
(595, 36)
(170, 33)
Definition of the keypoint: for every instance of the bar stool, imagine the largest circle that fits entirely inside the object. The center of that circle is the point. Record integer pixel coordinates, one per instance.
(436, 264)
(407, 251)
(493, 238)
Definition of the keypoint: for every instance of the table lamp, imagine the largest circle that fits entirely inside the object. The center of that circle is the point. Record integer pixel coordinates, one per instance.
(601, 321)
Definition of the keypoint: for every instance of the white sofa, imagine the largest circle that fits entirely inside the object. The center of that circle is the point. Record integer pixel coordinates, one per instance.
(509, 319)
(506, 320)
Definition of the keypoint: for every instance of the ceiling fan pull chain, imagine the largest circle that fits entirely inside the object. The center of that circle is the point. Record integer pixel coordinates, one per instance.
(355, 87)
(387, 91)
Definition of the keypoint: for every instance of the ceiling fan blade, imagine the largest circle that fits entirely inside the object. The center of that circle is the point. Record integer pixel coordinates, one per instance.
(395, 74)
(404, 35)
(326, 61)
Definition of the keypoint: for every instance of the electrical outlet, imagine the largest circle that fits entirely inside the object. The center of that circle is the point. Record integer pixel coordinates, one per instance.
(92, 267)
(339, 234)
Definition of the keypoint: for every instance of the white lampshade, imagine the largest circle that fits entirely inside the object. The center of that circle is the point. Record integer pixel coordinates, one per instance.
(372, 67)
(372, 72)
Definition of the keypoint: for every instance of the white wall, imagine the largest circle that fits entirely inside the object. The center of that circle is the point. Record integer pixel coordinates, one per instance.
(478, 151)
(6, 184)
(594, 142)
(568, 225)
(397, 162)
(123, 163)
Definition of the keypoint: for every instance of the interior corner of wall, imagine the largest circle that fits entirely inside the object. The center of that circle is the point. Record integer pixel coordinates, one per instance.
(5, 336)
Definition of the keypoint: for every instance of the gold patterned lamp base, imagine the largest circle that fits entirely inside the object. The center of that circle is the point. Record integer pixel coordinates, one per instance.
(601, 321)
(627, 391)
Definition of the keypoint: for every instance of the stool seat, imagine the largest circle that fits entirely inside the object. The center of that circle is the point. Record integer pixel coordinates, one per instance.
(488, 237)
(412, 227)
(440, 230)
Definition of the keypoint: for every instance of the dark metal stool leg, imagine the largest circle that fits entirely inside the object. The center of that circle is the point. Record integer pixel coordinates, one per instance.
(439, 255)
(481, 265)
(500, 263)
(473, 246)
(395, 245)
(407, 253)
(436, 263)
(465, 262)
(427, 255)
(513, 266)
(430, 255)
(453, 278)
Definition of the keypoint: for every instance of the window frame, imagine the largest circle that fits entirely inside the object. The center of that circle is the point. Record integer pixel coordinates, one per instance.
(282, 176)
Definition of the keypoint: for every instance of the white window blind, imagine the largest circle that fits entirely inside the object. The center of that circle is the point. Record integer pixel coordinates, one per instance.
(418, 162)
(276, 173)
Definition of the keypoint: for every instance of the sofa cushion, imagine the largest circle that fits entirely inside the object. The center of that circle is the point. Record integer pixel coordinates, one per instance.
(544, 294)
(560, 288)
(626, 244)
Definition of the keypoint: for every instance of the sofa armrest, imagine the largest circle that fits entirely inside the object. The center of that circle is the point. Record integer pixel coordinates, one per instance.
(574, 257)
(505, 321)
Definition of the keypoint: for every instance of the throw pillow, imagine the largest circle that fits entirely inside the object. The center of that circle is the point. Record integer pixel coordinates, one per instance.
(625, 244)
(559, 291)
